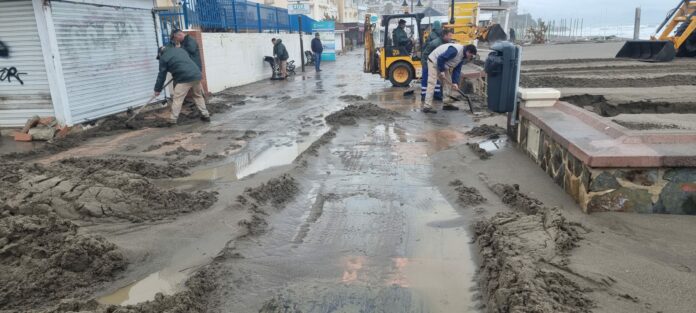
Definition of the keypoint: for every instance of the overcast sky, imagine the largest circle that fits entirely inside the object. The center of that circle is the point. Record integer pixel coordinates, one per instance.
(599, 12)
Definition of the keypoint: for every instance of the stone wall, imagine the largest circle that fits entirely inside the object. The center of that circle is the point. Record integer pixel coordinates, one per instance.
(639, 190)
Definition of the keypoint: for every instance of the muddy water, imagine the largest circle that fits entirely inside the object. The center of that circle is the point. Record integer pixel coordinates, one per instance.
(145, 289)
(256, 159)
(371, 235)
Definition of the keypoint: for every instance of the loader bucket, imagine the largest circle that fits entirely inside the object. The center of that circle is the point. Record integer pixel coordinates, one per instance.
(648, 50)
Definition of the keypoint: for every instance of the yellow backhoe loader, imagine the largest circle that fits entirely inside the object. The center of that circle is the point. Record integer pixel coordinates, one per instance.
(675, 37)
(401, 67)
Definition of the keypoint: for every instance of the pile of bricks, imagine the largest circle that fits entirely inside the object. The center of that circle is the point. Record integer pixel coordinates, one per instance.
(42, 129)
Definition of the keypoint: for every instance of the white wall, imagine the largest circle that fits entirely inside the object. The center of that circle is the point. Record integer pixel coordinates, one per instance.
(233, 59)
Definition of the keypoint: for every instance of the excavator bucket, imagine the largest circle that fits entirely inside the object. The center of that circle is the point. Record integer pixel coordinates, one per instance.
(648, 50)
(495, 33)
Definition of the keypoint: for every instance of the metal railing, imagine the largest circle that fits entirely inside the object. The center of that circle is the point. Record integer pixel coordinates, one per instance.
(239, 16)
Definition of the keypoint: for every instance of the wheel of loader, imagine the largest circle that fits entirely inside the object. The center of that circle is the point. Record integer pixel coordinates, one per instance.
(401, 74)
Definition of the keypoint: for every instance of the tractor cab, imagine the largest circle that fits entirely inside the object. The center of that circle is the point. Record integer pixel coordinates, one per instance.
(405, 40)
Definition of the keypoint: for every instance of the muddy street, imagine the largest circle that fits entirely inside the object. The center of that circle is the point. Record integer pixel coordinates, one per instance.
(328, 192)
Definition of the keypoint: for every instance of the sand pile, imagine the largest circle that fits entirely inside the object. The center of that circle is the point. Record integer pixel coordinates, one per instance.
(146, 169)
(467, 196)
(350, 114)
(43, 259)
(523, 253)
(74, 191)
(269, 196)
(486, 130)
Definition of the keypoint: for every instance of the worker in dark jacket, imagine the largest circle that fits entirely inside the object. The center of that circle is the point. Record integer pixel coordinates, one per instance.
(189, 44)
(400, 38)
(435, 32)
(434, 41)
(281, 54)
(186, 75)
(317, 49)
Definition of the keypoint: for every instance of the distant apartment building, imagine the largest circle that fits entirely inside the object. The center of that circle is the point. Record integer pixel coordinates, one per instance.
(347, 11)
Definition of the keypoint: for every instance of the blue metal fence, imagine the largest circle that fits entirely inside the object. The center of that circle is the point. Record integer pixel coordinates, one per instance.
(231, 16)
(307, 23)
(169, 21)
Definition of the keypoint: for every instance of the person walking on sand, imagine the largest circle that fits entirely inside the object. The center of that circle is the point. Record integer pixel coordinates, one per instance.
(445, 63)
(317, 49)
(186, 75)
(281, 54)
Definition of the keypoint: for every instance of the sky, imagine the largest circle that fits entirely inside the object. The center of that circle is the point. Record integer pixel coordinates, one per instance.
(599, 12)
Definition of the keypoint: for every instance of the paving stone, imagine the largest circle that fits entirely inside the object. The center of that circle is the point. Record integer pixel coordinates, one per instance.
(639, 177)
(677, 198)
(624, 200)
(42, 133)
(604, 182)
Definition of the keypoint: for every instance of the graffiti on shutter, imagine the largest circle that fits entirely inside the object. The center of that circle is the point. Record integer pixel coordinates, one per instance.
(4, 50)
(8, 73)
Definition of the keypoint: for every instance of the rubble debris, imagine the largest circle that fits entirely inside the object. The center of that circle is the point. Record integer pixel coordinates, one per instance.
(31, 122)
(42, 133)
(44, 258)
(22, 137)
(67, 138)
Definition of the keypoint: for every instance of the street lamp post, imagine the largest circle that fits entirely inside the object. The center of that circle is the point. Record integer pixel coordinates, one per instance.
(405, 5)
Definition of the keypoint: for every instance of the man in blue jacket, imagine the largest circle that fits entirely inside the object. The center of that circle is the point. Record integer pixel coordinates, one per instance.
(445, 63)
(317, 49)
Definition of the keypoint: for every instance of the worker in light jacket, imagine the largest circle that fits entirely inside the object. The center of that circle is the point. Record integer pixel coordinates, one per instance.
(445, 63)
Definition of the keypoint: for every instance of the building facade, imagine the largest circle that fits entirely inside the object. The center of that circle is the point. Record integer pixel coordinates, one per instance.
(76, 60)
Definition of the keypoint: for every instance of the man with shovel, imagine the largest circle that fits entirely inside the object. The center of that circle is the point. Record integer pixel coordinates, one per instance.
(186, 75)
(445, 63)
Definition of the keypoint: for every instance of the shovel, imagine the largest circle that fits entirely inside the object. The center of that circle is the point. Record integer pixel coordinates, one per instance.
(145, 105)
(468, 100)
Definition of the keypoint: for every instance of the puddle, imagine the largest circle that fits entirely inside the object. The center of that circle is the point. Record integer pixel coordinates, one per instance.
(492, 145)
(145, 289)
(247, 163)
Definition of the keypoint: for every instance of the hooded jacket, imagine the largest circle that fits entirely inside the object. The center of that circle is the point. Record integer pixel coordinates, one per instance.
(178, 62)
(280, 51)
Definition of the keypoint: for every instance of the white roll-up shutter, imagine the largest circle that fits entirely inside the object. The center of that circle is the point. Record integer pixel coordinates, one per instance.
(107, 55)
(29, 95)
